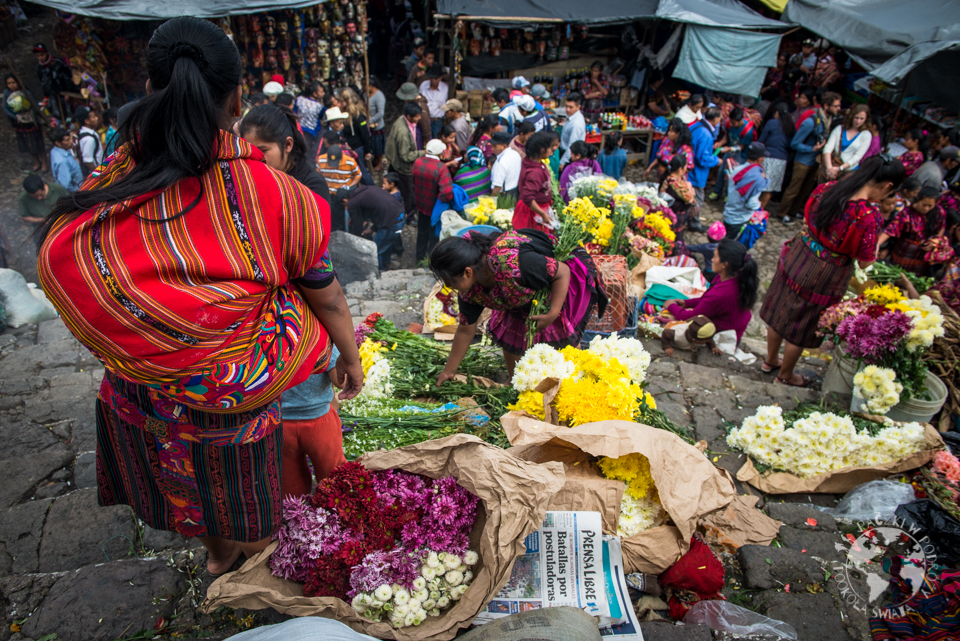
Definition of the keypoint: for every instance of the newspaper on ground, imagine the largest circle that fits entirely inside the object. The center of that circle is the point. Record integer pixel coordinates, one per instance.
(569, 562)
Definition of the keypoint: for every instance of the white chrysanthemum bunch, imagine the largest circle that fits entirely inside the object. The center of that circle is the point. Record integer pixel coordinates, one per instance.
(927, 322)
(436, 317)
(377, 383)
(637, 515)
(444, 578)
(502, 218)
(820, 443)
(879, 387)
(537, 363)
(628, 351)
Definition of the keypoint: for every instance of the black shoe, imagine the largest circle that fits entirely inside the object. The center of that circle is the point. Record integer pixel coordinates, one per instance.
(696, 226)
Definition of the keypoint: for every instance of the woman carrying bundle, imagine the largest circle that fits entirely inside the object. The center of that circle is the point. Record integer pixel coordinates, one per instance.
(190, 268)
(919, 233)
(676, 185)
(842, 226)
(504, 272)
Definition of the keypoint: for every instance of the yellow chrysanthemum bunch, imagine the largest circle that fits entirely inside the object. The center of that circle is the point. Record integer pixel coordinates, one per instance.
(602, 231)
(530, 402)
(640, 507)
(606, 186)
(660, 225)
(481, 212)
(584, 213)
(638, 212)
(883, 294)
(586, 401)
(370, 354)
(926, 318)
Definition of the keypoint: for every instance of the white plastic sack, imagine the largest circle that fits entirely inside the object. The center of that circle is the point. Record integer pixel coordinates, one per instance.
(451, 222)
(20, 304)
(874, 500)
(688, 280)
(724, 616)
(727, 343)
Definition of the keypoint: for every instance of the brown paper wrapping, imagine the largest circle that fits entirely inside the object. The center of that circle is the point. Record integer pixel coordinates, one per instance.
(514, 495)
(738, 523)
(688, 484)
(637, 280)
(840, 481)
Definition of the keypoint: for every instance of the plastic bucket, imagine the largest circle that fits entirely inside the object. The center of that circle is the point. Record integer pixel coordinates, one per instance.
(919, 410)
(840, 373)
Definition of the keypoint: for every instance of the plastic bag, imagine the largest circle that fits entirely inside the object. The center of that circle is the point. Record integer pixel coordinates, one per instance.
(873, 500)
(19, 303)
(724, 616)
(925, 518)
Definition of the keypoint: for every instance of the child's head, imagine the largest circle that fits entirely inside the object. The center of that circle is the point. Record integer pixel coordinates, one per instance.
(613, 141)
(448, 135)
(579, 150)
(679, 163)
(391, 181)
(916, 140)
(538, 145)
(910, 189)
(888, 205)
(524, 130)
(700, 330)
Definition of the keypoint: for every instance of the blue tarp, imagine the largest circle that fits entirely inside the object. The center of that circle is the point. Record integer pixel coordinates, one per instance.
(727, 59)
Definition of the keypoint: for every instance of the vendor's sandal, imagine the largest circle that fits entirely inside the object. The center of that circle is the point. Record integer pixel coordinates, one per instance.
(766, 368)
(805, 381)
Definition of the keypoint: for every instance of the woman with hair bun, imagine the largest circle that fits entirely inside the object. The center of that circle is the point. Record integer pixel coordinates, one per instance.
(197, 275)
(504, 272)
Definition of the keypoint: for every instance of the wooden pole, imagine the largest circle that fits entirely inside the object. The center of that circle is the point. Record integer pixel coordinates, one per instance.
(896, 115)
(366, 64)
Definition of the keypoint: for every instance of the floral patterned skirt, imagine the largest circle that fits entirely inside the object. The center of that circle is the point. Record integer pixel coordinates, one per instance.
(509, 328)
(192, 472)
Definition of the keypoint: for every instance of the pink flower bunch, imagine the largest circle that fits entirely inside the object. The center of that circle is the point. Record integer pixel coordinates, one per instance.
(397, 566)
(873, 338)
(307, 534)
(948, 465)
(448, 515)
(833, 316)
(360, 333)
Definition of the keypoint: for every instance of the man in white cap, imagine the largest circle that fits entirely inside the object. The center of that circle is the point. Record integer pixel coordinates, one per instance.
(453, 110)
(528, 109)
(431, 182)
(272, 90)
(521, 86)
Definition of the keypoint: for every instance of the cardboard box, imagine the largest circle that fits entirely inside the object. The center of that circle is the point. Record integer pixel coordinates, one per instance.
(475, 102)
(462, 96)
(628, 96)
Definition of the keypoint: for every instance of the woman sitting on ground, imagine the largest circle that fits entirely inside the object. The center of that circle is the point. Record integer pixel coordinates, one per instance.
(732, 294)
(919, 230)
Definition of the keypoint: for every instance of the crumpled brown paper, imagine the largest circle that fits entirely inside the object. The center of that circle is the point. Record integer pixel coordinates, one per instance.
(840, 481)
(737, 524)
(637, 280)
(514, 495)
(688, 484)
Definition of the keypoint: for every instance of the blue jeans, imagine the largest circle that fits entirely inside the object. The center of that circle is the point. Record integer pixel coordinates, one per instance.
(384, 238)
(436, 124)
(365, 177)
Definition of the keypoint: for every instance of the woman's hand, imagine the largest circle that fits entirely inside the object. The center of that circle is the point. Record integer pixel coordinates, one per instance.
(444, 376)
(716, 351)
(349, 378)
(672, 301)
(544, 320)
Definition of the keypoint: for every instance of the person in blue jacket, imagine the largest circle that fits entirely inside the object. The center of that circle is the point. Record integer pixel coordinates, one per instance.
(807, 142)
(704, 134)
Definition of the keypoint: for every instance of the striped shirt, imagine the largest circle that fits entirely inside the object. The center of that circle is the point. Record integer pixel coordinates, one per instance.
(345, 174)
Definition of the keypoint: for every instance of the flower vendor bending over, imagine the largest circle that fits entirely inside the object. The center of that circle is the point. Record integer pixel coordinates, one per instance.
(189, 268)
(733, 291)
(842, 225)
(503, 272)
(918, 232)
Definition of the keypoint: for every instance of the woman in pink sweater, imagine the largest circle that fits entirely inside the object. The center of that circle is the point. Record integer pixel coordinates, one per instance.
(732, 294)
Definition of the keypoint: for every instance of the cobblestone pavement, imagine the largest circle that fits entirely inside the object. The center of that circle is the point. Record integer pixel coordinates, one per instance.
(84, 572)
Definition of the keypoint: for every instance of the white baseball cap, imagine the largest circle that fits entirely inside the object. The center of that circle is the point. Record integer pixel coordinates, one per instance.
(435, 147)
(273, 88)
(519, 82)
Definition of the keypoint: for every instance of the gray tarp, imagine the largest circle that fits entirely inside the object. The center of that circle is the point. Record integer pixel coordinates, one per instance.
(165, 9)
(874, 31)
(729, 60)
(715, 13)
(927, 64)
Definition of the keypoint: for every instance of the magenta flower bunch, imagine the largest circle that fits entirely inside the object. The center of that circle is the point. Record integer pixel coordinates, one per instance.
(831, 318)
(307, 533)
(873, 339)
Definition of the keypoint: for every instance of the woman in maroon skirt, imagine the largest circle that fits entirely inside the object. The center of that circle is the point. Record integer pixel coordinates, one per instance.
(504, 272)
(842, 225)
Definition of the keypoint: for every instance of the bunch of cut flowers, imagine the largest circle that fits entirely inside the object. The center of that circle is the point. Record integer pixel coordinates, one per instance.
(392, 544)
(640, 507)
(603, 382)
(940, 481)
(655, 226)
(885, 329)
(811, 443)
(596, 188)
